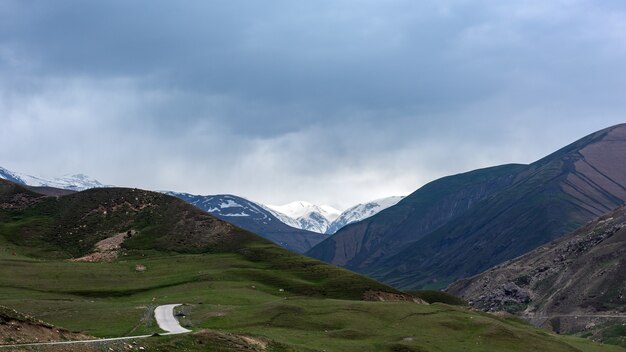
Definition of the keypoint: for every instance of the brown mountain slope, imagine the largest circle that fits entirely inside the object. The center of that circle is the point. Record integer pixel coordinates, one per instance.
(361, 244)
(571, 284)
(461, 225)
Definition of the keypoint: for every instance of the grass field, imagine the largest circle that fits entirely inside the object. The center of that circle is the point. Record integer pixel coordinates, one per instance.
(230, 293)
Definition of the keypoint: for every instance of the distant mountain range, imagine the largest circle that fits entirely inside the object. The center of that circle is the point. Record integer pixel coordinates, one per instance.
(325, 218)
(307, 216)
(254, 217)
(297, 226)
(294, 226)
(361, 211)
(461, 225)
(76, 182)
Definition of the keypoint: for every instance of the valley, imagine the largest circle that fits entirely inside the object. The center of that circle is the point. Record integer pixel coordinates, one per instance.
(312, 176)
(239, 290)
(99, 261)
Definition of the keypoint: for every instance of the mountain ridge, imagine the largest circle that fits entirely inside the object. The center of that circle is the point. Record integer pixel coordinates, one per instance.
(463, 224)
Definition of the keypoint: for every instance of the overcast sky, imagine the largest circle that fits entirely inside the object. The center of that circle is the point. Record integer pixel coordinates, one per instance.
(333, 102)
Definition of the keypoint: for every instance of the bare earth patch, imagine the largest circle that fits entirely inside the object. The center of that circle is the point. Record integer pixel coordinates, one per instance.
(255, 341)
(16, 328)
(372, 295)
(106, 250)
(15, 332)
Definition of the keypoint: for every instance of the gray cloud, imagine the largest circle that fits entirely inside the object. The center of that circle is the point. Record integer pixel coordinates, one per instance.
(329, 101)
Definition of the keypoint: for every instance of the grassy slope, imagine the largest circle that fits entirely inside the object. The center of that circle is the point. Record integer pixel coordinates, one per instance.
(238, 283)
(225, 293)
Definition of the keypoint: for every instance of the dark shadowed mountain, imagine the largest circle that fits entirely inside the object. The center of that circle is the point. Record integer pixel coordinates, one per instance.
(461, 225)
(575, 283)
(255, 218)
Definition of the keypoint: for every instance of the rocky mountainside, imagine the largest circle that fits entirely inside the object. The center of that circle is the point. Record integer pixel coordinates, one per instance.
(255, 218)
(461, 225)
(76, 182)
(575, 283)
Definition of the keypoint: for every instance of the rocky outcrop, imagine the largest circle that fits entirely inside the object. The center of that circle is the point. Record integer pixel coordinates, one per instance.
(570, 284)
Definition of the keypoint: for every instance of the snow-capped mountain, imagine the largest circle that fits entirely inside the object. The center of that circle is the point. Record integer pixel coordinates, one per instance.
(227, 205)
(362, 211)
(307, 216)
(76, 182)
(254, 217)
(326, 219)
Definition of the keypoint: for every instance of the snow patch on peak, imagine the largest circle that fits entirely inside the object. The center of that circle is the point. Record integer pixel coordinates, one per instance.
(306, 216)
(229, 203)
(10, 176)
(77, 182)
(362, 211)
(325, 218)
(331, 213)
(301, 208)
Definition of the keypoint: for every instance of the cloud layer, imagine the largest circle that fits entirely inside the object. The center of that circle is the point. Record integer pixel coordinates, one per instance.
(330, 101)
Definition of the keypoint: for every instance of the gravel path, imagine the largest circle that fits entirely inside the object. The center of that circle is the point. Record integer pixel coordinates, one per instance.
(167, 321)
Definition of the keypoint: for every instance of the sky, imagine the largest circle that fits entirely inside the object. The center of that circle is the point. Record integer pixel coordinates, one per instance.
(330, 101)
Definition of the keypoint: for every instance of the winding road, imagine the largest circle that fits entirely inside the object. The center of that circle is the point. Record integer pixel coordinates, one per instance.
(164, 316)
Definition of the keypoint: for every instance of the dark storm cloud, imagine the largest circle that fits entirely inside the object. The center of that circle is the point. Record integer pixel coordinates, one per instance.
(320, 55)
(345, 99)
